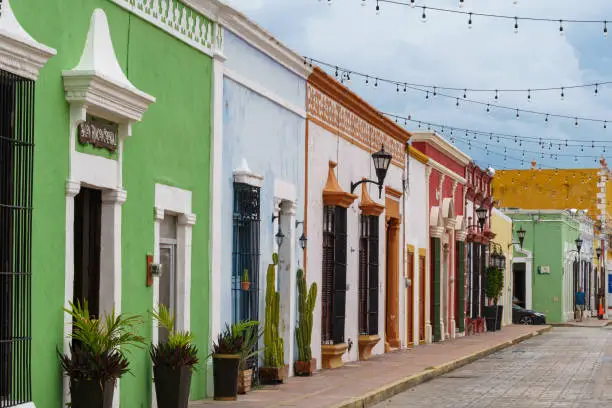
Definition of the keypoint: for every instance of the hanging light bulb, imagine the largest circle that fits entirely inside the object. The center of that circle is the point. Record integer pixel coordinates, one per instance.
(464, 93)
(405, 87)
(461, 3)
(470, 21)
(488, 108)
(529, 95)
(434, 91)
(457, 102)
(424, 16)
(496, 95)
(605, 124)
(561, 28)
(562, 94)
(377, 8)
(546, 119)
(515, 25)
(605, 30)
(412, 3)
(427, 95)
(363, 3)
(376, 82)
(517, 114)
(329, 2)
(367, 81)
(576, 122)
(596, 90)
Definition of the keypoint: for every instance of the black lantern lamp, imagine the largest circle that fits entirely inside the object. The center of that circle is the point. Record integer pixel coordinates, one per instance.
(303, 239)
(578, 242)
(279, 234)
(598, 253)
(521, 236)
(382, 160)
(481, 213)
(502, 261)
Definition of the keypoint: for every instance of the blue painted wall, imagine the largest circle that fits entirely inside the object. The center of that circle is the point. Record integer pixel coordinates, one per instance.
(270, 137)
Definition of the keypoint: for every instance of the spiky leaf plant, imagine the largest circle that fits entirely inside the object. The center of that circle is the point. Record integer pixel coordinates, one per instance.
(178, 350)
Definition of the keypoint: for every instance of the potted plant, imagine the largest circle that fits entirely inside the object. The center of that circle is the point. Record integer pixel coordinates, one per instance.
(97, 355)
(173, 363)
(274, 369)
(250, 339)
(226, 354)
(494, 284)
(245, 283)
(305, 364)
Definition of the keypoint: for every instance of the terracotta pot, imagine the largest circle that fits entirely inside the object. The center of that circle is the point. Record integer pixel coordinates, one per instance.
(305, 368)
(245, 285)
(273, 375)
(245, 378)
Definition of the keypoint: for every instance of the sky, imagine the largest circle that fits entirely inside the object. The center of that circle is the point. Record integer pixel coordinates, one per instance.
(442, 51)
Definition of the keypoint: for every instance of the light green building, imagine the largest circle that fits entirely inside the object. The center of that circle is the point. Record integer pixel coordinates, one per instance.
(548, 270)
(106, 110)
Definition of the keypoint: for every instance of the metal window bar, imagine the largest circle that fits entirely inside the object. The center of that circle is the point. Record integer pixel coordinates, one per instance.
(327, 274)
(246, 255)
(368, 276)
(16, 173)
(339, 281)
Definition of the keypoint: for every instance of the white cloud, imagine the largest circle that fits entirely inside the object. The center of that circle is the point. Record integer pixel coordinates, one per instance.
(443, 51)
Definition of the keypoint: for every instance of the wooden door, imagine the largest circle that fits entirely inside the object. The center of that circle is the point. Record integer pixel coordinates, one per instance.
(410, 299)
(422, 278)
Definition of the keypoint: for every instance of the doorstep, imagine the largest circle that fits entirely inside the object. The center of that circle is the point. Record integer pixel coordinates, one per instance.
(363, 383)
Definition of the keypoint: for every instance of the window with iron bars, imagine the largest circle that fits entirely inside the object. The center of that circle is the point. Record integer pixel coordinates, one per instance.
(16, 173)
(333, 287)
(368, 275)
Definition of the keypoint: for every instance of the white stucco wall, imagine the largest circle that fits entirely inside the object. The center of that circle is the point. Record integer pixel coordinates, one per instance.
(354, 163)
(416, 233)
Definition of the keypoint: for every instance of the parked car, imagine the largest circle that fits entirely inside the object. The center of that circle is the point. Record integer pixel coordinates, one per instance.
(521, 315)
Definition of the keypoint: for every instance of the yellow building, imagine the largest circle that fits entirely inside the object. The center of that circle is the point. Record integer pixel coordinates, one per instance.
(501, 226)
(563, 189)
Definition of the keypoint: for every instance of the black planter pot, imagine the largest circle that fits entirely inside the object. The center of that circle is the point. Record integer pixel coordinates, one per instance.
(225, 376)
(91, 394)
(499, 317)
(490, 315)
(172, 386)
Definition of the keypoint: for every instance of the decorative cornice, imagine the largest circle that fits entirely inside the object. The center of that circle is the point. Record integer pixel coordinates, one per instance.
(333, 193)
(391, 192)
(178, 20)
(243, 174)
(98, 81)
(20, 54)
(187, 219)
(417, 154)
(367, 205)
(446, 171)
(443, 145)
(436, 232)
(72, 188)
(460, 235)
(118, 196)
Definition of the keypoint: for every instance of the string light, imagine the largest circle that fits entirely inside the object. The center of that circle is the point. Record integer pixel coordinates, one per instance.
(515, 25)
(424, 16)
(561, 27)
(470, 21)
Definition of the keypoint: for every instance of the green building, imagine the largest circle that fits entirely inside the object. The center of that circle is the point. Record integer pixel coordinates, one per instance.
(106, 110)
(548, 270)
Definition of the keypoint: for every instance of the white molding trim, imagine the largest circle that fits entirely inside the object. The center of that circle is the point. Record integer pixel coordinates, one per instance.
(243, 174)
(19, 52)
(253, 34)
(446, 171)
(443, 145)
(262, 91)
(98, 81)
(178, 20)
(25, 405)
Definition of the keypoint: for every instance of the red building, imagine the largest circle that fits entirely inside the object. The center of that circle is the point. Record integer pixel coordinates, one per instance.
(445, 288)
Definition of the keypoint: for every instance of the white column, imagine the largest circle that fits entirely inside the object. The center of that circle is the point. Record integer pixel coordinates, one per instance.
(214, 248)
(72, 189)
(287, 280)
(183, 263)
(110, 258)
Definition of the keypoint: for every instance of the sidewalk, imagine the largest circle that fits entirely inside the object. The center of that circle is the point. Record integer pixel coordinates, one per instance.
(363, 383)
(586, 322)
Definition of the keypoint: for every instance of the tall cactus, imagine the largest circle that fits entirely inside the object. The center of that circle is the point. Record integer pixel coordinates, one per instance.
(274, 356)
(306, 304)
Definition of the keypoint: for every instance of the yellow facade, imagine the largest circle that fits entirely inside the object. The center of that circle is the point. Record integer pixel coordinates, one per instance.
(501, 226)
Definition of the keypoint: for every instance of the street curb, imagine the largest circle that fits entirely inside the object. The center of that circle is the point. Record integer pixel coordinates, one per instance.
(406, 383)
(577, 325)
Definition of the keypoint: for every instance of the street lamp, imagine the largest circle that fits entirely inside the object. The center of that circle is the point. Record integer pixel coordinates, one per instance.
(578, 242)
(481, 213)
(598, 252)
(521, 236)
(382, 160)
(279, 234)
(303, 238)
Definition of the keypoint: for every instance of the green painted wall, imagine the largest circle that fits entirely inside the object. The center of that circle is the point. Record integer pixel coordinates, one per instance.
(546, 239)
(171, 146)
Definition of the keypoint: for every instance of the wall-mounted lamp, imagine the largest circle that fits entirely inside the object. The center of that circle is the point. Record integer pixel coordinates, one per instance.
(303, 239)
(382, 160)
(521, 236)
(578, 242)
(598, 252)
(279, 235)
(481, 213)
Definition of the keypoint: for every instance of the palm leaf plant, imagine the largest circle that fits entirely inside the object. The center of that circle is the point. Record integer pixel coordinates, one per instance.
(250, 341)
(173, 362)
(97, 355)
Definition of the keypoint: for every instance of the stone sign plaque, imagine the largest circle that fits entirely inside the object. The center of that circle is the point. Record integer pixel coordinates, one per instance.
(100, 134)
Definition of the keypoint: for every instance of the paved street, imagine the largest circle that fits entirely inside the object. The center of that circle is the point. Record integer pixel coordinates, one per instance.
(567, 367)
